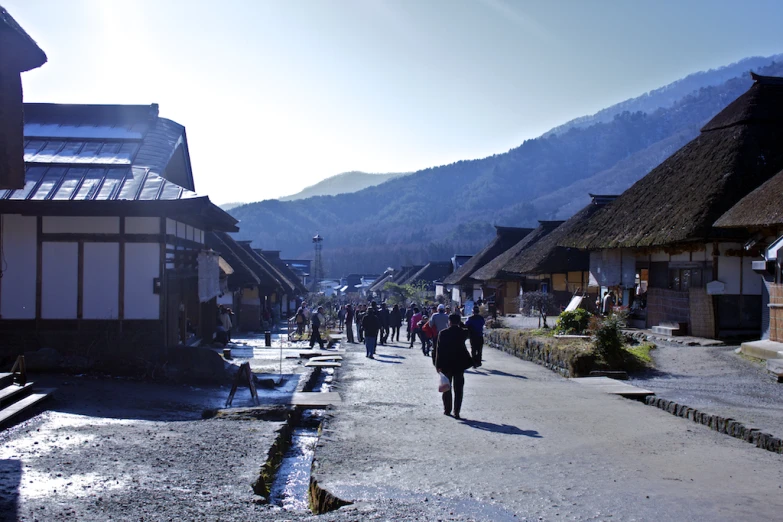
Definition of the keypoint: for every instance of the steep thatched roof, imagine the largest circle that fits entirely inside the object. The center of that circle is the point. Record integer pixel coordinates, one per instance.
(404, 273)
(494, 268)
(431, 272)
(761, 208)
(505, 238)
(546, 257)
(246, 270)
(678, 201)
(377, 286)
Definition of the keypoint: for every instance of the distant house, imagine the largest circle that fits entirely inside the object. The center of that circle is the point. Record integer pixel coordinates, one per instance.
(539, 264)
(301, 268)
(506, 286)
(430, 275)
(103, 246)
(18, 53)
(761, 214)
(461, 285)
(660, 234)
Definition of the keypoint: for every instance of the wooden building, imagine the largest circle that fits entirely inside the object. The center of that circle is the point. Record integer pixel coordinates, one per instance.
(103, 247)
(461, 286)
(18, 53)
(540, 264)
(660, 231)
(507, 287)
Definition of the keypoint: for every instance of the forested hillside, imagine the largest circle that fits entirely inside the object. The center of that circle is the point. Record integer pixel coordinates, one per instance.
(344, 183)
(440, 211)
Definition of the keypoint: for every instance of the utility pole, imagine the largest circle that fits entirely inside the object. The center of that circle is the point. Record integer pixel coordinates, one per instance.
(318, 266)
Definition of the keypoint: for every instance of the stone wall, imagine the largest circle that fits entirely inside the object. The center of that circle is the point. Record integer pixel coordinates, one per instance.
(667, 306)
(702, 318)
(775, 312)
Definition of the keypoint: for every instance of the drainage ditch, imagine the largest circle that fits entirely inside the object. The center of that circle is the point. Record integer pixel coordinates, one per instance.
(285, 479)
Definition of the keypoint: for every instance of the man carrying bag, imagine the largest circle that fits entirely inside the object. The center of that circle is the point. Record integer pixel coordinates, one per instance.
(452, 359)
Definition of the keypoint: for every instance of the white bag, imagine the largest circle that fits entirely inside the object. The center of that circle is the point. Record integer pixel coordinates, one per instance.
(444, 385)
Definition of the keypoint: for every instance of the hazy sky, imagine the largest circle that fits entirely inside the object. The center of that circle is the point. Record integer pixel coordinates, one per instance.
(276, 95)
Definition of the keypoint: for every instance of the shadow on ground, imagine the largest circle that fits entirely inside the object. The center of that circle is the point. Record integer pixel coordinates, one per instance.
(10, 477)
(501, 428)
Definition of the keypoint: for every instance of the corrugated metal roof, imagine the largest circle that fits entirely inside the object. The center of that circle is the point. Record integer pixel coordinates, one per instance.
(95, 184)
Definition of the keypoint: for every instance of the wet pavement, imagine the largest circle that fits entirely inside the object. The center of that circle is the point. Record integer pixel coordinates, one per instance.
(718, 381)
(532, 445)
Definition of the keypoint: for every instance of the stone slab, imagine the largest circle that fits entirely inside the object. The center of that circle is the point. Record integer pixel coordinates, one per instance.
(613, 387)
(9, 412)
(762, 349)
(315, 399)
(323, 364)
(326, 358)
(775, 366)
(309, 354)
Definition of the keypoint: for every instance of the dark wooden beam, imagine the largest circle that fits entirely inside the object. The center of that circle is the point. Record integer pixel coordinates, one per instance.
(38, 266)
(80, 282)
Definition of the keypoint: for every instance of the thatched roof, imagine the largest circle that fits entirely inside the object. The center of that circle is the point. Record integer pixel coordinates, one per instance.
(377, 286)
(431, 272)
(546, 257)
(505, 238)
(761, 208)
(404, 273)
(678, 201)
(246, 269)
(494, 268)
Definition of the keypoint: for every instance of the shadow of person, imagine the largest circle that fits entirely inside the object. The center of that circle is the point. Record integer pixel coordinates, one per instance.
(10, 478)
(481, 371)
(501, 428)
(389, 356)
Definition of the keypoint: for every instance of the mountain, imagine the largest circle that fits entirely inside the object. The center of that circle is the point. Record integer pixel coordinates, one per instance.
(229, 206)
(670, 94)
(344, 183)
(450, 208)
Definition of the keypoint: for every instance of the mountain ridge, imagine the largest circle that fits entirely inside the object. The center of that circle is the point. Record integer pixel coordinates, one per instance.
(343, 183)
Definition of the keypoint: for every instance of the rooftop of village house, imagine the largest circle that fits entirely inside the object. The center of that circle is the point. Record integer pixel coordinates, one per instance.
(504, 239)
(761, 208)
(678, 201)
(494, 266)
(27, 55)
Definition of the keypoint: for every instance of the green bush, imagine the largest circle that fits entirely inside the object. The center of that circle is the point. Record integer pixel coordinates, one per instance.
(608, 339)
(575, 322)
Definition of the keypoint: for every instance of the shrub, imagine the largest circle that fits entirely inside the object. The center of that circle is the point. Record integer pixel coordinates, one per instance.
(539, 302)
(608, 339)
(575, 322)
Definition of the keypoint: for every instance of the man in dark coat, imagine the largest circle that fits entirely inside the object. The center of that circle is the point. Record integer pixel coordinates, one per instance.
(452, 359)
(383, 315)
(360, 311)
(349, 323)
(475, 324)
(371, 325)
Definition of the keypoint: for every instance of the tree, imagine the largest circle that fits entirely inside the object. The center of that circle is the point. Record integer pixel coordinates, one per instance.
(538, 302)
(403, 294)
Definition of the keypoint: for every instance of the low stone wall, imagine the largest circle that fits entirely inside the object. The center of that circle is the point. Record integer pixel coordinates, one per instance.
(776, 312)
(567, 361)
(667, 306)
(724, 425)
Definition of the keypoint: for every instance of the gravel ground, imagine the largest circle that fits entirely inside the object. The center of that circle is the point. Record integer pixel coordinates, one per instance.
(719, 382)
(532, 445)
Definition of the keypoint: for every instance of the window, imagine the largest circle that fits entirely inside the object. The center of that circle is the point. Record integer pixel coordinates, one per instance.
(683, 279)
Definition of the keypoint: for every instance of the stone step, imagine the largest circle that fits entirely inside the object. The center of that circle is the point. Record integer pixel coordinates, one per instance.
(668, 331)
(322, 364)
(776, 366)
(613, 387)
(15, 392)
(6, 379)
(326, 358)
(765, 349)
(315, 399)
(9, 412)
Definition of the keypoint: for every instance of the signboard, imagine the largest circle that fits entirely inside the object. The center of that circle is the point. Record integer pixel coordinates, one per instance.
(716, 288)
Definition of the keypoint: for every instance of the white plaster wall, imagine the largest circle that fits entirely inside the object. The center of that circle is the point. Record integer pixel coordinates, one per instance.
(699, 256)
(658, 257)
(171, 227)
(81, 225)
(751, 282)
(612, 267)
(684, 256)
(182, 230)
(142, 225)
(729, 273)
(101, 281)
(142, 265)
(17, 290)
(189, 232)
(59, 280)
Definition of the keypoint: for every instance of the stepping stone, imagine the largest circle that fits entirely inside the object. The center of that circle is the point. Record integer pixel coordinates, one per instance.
(19, 407)
(315, 399)
(326, 358)
(323, 364)
(613, 387)
(319, 353)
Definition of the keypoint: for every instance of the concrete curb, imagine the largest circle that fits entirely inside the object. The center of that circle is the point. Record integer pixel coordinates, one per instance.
(727, 426)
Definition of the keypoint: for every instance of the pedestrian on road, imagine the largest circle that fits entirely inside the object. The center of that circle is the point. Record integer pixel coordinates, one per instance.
(385, 318)
(371, 325)
(360, 313)
(395, 319)
(317, 319)
(408, 315)
(414, 326)
(427, 335)
(475, 324)
(341, 317)
(452, 359)
(349, 323)
(439, 322)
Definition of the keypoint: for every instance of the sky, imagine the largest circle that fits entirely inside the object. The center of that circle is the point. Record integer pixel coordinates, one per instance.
(277, 95)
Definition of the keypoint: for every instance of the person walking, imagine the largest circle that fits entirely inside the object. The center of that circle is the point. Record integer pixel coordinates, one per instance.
(427, 335)
(413, 325)
(360, 312)
(371, 325)
(408, 315)
(475, 324)
(349, 323)
(395, 319)
(452, 359)
(341, 318)
(317, 320)
(439, 322)
(385, 318)
(225, 322)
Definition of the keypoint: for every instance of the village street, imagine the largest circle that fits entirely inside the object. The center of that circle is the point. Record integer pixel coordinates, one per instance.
(531, 445)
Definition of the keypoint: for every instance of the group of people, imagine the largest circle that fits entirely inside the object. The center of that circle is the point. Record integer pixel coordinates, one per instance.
(374, 325)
